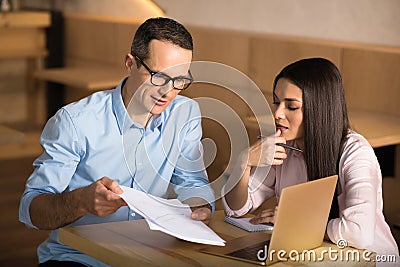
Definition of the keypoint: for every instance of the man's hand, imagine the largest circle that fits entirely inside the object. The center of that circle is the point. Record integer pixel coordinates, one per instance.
(201, 209)
(52, 211)
(202, 213)
(101, 198)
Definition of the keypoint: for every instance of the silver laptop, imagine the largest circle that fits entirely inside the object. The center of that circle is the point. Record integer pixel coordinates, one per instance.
(300, 224)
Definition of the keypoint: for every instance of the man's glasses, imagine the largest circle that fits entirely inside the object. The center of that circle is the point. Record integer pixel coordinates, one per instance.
(161, 79)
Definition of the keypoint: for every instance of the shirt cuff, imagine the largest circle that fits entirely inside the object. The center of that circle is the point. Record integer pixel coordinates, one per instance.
(24, 214)
(235, 213)
(204, 192)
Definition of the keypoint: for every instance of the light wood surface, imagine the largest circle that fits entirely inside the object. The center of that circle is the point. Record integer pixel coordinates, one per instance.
(380, 129)
(98, 39)
(22, 36)
(25, 19)
(9, 135)
(211, 45)
(267, 57)
(28, 146)
(132, 243)
(372, 80)
(88, 78)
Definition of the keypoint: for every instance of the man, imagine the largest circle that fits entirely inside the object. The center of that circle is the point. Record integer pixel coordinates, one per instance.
(141, 134)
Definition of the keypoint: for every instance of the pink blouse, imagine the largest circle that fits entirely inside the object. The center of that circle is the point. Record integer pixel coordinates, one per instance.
(361, 222)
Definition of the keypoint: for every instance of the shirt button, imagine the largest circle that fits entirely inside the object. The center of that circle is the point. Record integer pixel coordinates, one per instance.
(133, 214)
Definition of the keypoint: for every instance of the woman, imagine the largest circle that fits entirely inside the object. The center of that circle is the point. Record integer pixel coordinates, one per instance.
(310, 114)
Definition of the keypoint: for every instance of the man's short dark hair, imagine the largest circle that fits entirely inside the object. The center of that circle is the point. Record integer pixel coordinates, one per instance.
(162, 29)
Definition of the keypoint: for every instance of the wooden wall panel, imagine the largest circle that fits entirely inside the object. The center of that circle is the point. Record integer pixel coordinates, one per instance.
(124, 33)
(92, 41)
(22, 49)
(269, 55)
(227, 47)
(95, 42)
(372, 80)
(12, 90)
(24, 41)
(220, 94)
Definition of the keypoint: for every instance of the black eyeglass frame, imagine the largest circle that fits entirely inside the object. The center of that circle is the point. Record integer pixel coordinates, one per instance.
(166, 77)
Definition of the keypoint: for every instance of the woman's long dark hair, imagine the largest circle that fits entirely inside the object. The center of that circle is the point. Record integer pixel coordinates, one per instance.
(325, 118)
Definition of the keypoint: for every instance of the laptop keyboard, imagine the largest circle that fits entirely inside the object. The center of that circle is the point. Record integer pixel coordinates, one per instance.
(250, 253)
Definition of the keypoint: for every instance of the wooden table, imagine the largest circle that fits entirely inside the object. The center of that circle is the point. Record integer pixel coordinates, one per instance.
(86, 78)
(132, 243)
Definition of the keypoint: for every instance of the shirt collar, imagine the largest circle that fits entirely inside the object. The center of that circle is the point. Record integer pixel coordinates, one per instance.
(121, 114)
(119, 108)
(157, 121)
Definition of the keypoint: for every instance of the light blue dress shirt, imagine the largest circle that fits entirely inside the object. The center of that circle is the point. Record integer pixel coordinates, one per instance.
(94, 137)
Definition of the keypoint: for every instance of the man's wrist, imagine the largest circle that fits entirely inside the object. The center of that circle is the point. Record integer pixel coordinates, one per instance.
(197, 202)
(208, 206)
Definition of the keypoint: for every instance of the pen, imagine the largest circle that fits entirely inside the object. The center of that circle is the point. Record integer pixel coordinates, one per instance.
(283, 145)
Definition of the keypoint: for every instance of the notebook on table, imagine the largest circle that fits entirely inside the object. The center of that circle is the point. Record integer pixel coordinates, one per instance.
(245, 224)
(300, 224)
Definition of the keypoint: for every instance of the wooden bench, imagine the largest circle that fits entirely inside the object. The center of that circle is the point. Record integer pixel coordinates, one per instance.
(9, 135)
(86, 78)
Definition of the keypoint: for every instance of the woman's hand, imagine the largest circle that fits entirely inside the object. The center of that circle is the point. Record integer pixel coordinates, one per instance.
(265, 216)
(262, 154)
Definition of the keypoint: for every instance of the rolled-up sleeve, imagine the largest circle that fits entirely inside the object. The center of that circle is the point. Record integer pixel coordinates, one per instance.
(54, 168)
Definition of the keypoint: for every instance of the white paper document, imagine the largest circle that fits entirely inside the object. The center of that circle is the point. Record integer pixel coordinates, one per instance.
(170, 216)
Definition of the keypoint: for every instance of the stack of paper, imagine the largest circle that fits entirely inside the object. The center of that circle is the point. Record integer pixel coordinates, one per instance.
(170, 216)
